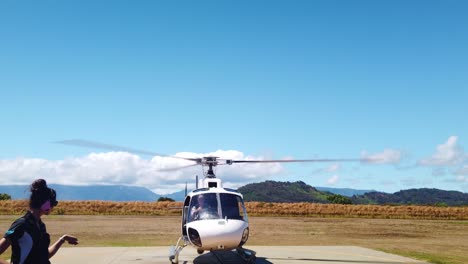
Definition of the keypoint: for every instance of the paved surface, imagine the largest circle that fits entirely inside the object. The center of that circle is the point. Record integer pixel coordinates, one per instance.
(265, 255)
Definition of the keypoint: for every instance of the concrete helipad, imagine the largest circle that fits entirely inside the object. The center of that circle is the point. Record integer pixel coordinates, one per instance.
(265, 255)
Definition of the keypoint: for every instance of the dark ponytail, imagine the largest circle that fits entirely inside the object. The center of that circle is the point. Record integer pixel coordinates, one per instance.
(40, 193)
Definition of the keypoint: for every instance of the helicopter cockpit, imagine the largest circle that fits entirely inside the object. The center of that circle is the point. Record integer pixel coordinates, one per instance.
(216, 206)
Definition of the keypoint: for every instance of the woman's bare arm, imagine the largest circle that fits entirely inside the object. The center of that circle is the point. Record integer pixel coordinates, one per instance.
(56, 246)
(4, 244)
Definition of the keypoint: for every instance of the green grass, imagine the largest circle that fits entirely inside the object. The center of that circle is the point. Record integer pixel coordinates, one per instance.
(6, 255)
(459, 223)
(429, 257)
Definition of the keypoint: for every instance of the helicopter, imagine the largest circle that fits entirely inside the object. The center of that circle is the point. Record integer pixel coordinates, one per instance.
(213, 217)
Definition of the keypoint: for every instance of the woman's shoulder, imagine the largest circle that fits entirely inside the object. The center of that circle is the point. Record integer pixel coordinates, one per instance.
(16, 229)
(22, 221)
(19, 221)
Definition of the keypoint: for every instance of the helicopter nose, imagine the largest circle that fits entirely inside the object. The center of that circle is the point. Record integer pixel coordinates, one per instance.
(217, 234)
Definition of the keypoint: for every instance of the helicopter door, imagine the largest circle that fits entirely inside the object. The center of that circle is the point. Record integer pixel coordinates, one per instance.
(185, 214)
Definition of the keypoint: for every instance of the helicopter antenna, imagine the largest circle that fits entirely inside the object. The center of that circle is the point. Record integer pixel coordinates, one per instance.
(196, 182)
(185, 188)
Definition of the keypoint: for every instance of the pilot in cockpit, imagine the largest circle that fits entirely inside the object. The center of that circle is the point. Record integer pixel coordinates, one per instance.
(206, 208)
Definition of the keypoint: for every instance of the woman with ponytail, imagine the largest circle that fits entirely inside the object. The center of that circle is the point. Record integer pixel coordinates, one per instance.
(27, 236)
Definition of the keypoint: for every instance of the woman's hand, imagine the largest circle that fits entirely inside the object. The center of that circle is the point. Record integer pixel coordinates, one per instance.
(70, 239)
(55, 247)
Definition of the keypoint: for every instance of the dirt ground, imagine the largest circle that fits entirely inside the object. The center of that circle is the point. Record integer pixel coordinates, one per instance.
(439, 241)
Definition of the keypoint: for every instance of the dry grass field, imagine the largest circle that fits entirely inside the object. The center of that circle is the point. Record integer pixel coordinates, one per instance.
(435, 234)
(254, 209)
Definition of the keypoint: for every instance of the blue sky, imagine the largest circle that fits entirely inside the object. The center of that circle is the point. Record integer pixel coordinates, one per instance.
(265, 79)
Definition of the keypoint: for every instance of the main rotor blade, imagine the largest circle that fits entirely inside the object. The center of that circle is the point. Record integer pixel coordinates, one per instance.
(300, 160)
(178, 168)
(103, 146)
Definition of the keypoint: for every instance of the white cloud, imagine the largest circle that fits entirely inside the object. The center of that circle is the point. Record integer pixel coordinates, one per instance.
(462, 171)
(333, 180)
(439, 171)
(447, 154)
(130, 169)
(388, 156)
(333, 168)
(353, 181)
(387, 182)
(462, 178)
(413, 182)
(410, 181)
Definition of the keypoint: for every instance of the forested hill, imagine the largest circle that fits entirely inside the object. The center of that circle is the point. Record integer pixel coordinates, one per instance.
(423, 196)
(273, 191)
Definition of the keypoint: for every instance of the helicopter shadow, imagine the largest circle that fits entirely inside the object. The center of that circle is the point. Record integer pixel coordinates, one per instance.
(227, 257)
(331, 261)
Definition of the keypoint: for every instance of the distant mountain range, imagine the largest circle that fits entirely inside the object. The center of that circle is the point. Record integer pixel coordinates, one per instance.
(414, 196)
(268, 191)
(121, 192)
(177, 196)
(344, 191)
(272, 191)
(92, 192)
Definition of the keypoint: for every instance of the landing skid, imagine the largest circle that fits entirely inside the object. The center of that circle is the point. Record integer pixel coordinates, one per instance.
(174, 251)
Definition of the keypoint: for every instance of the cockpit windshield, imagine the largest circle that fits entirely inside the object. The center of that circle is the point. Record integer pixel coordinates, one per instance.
(204, 206)
(216, 206)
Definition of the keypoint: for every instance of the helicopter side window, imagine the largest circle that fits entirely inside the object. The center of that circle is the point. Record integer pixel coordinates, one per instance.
(232, 206)
(185, 215)
(203, 206)
(242, 210)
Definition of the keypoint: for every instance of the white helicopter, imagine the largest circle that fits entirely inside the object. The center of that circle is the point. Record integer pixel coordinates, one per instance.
(213, 217)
